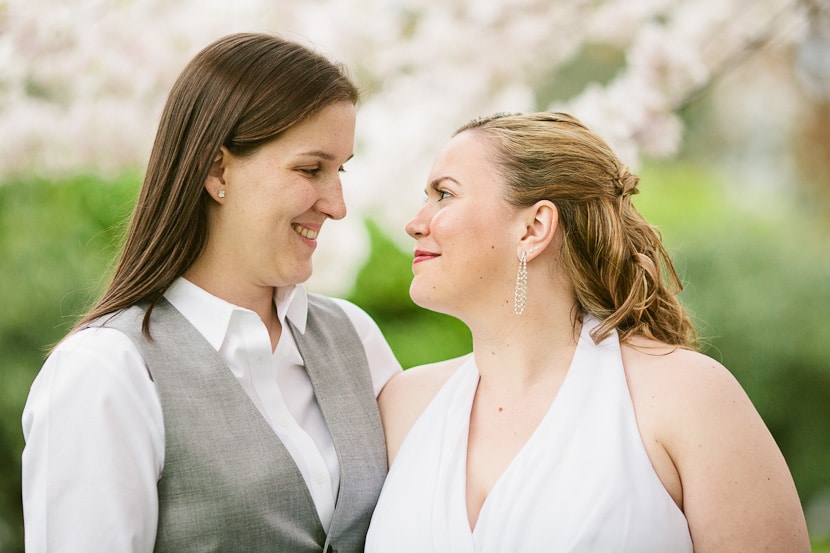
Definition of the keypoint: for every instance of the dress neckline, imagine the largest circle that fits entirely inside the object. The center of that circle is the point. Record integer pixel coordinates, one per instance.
(471, 379)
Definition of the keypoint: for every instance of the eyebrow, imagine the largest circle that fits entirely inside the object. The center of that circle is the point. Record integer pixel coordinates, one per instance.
(436, 181)
(323, 155)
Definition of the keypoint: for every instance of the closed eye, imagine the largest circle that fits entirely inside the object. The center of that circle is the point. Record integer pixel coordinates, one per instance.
(314, 171)
(310, 171)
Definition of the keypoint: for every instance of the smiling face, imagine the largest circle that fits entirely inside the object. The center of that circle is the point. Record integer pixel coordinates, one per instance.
(466, 234)
(264, 228)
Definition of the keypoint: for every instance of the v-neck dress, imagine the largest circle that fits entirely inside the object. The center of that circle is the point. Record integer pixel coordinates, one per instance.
(582, 483)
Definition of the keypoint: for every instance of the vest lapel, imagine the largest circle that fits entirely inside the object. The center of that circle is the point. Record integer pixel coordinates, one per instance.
(223, 462)
(336, 363)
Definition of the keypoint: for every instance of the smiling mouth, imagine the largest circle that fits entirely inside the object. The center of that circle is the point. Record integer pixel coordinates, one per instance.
(305, 232)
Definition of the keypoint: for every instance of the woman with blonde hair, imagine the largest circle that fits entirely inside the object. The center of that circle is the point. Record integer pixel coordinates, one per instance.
(583, 420)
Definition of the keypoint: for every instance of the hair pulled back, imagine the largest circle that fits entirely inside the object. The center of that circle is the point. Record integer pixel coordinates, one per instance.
(613, 257)
(240, 92)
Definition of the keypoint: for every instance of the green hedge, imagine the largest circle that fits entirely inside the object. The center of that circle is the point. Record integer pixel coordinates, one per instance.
(757, 283)
(56, 241)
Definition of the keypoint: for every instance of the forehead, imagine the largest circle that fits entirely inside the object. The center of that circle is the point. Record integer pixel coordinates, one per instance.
(468, 158)
(332, 126)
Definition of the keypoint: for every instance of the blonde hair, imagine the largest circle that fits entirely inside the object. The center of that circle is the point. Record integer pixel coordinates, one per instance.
(613, 257)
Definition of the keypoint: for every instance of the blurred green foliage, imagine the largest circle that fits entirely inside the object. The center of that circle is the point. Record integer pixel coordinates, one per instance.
(56, 242)
(758, 284)
(416, 335)
(757, 280)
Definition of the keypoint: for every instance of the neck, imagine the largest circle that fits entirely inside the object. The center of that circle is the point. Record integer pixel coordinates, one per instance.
(259, 299)
(515, 351)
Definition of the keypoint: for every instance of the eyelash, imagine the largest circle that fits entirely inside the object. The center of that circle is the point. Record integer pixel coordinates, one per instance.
(442, 195)
(316, 170)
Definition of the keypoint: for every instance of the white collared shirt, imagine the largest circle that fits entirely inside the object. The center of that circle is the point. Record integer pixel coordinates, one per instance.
(95, 434)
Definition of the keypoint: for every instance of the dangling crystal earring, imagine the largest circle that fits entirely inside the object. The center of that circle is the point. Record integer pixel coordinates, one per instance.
(520, 296)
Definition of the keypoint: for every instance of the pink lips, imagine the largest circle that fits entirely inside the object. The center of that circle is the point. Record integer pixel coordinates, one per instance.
(422, 255)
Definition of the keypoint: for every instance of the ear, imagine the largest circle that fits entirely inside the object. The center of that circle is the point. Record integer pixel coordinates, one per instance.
(215, 181)
(541, 222)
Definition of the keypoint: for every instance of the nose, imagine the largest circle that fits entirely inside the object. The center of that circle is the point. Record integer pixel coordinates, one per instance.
(419, 225)
(331, 203)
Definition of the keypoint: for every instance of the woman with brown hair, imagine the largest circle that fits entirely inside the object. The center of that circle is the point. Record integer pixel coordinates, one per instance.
(207, 402)
(583, 420)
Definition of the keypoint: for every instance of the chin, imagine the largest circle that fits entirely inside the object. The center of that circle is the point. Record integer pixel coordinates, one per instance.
(427, 301)
(300, 276)
(416, 297)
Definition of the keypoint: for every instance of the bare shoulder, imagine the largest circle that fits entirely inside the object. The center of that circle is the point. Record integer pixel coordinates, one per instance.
(684, 399)
(672, 370)
(678, 391)
(407, 394)
(734, 484)
(422, 379)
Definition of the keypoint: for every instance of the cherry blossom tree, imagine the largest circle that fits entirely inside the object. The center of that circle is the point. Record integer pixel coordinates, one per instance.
(82, 82)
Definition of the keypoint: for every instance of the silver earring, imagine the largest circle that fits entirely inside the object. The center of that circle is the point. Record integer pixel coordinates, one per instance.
(221, 193)
(520, 296)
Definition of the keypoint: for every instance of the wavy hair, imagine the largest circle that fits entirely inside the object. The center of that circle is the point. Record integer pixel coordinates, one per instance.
(240, 92)
(615, 260)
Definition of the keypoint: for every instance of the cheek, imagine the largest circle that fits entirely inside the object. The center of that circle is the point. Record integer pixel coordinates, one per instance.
(476, 233)
(300, 194)
(441, 225)
(458, 225)
(454, 239)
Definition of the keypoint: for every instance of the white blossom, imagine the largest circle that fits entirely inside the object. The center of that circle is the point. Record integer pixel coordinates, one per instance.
(82, 82)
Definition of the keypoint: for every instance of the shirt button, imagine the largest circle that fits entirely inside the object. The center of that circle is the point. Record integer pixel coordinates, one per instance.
(282, 422)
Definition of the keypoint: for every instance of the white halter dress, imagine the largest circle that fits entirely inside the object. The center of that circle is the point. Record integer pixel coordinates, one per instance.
(582, 483)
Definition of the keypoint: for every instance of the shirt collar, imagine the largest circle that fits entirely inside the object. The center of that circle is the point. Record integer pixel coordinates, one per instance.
(211, 315)
(292, 304)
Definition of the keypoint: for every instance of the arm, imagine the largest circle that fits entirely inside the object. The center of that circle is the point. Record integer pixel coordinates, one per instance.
(737, 492)
(407, 395)
(94, 449)
(382, 362)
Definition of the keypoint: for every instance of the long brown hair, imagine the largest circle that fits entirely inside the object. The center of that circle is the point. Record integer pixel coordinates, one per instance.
(613, 257)
(240, 92)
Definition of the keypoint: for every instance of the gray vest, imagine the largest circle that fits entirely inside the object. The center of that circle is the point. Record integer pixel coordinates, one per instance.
(228, 482)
